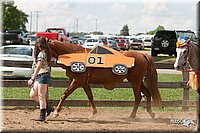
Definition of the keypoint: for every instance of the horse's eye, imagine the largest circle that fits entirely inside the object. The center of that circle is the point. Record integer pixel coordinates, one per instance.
(184, 52)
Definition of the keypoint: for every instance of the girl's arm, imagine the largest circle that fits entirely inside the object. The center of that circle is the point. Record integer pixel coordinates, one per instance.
(39, 66)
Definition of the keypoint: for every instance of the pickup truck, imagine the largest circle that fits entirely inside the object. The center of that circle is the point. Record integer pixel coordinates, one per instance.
(55, 34)
(14, 37)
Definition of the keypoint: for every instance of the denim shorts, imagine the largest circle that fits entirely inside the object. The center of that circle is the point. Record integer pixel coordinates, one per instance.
(43, 78)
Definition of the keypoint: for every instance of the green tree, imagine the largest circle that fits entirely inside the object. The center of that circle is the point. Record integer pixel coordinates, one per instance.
(13, 18)
(97, 33)
(125, 30)
(154, 31)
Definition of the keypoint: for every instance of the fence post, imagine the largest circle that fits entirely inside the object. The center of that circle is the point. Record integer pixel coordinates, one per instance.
(185, 91)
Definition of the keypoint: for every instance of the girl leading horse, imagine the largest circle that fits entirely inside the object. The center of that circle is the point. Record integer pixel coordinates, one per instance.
(144, 67)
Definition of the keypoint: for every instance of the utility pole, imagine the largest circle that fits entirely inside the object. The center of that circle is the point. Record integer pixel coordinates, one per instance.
(77, 26)
(74, 25)
(96, 24)
(30, 22)
(37, 12)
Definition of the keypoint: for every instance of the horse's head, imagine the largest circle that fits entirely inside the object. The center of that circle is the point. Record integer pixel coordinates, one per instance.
(182, 57)
(182, 51)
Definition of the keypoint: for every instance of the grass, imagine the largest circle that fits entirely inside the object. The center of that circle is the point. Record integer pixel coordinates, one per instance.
(56, 75)
(164, 59)
(99, 93)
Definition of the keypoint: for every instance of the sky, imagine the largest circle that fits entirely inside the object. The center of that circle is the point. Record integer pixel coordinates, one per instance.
(109, 16)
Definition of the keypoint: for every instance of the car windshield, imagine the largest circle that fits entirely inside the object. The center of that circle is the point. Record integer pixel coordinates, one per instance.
(104, 40)
(120, 41)
(55, 31)
(17, 51)
(113, 43)
(32, 38)
(168, 34)
(74, 41)
(147, 40)
(187, 34)
(92, 40)
(136, 40)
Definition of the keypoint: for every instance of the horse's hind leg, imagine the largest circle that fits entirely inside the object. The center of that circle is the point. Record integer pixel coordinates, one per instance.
(146, 92)
(73, 85)
(138, 97)
(89, 94)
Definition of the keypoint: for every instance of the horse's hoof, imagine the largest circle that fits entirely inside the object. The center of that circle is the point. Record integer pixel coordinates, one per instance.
(92, 115)
(195, 129)
(152, 115)
(132, 116)
(55, 114)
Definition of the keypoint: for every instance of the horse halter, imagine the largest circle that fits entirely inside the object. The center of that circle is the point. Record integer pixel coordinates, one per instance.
(185, 44)
(195, 70)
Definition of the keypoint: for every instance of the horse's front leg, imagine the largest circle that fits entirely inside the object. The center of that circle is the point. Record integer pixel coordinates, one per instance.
(73, 85)
(89, 94)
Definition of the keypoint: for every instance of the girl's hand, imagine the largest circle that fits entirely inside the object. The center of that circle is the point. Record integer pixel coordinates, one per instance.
(30, 81)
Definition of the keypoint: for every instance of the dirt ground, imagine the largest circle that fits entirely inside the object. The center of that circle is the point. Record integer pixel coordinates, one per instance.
(107, 120)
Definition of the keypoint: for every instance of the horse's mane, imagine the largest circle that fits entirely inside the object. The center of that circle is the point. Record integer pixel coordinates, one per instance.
(60, 48)
(194, 57)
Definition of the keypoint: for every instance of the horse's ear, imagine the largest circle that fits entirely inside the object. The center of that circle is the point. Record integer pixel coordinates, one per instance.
(188, 40)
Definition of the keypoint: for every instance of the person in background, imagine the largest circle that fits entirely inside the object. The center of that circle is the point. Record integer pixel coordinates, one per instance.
(41, 77)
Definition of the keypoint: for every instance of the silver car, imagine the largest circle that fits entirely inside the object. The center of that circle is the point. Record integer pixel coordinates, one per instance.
(16, 61)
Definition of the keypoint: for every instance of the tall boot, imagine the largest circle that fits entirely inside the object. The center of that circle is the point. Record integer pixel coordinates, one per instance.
(42, 115)
(49, 109)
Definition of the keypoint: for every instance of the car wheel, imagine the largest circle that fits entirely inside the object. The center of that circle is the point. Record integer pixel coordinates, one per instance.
(165, 43)
(120, 69)
(78, 67)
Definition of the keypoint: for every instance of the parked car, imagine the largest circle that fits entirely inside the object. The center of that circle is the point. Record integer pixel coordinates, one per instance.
(122, 43)
(16, 61)
(137, 43)
(147, 40)
(100, 57)
(104, 41)
(92, 42)
(114, 45)
(164, 42)
(14, 37)
(76, 41)
(32, 39)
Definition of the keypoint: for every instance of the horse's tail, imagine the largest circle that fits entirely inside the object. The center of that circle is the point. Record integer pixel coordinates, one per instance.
(151, 80)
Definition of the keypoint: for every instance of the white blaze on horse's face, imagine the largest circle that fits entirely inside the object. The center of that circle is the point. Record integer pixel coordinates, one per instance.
(181, 59)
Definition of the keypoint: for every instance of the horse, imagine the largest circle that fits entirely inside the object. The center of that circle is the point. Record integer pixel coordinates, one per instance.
(144, 67)
(189, 52)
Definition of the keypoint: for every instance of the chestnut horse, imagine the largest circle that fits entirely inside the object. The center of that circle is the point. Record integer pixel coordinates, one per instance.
(144, 67)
